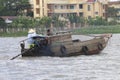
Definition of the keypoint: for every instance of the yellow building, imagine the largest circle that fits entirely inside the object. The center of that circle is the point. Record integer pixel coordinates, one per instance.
(63, 8)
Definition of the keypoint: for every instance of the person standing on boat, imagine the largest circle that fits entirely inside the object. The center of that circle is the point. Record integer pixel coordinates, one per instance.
(31, 33)
(49, 32)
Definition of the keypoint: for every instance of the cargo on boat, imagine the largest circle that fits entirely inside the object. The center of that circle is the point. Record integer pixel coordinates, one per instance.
(62, 45)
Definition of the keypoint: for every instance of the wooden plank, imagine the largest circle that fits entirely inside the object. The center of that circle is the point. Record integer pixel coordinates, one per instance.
(60, 37)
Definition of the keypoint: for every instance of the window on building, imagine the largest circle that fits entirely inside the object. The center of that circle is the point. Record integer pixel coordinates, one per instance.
(80, 6)
(37, 10)
(96, 13)
(89, 8)
(68, 14)
(67, 6)
(73, 14)
(89, 17)
(49, 14)
(61, 15)
(104, 14)
(71, 6)
(55, 6)
(61, 6)
(37, 2)
(103, 6)
(81, 14)
(43, 3)
(32, 6)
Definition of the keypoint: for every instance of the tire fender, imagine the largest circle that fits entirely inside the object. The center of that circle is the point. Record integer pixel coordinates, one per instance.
(63, 50)
(100, 46)
(85, 50)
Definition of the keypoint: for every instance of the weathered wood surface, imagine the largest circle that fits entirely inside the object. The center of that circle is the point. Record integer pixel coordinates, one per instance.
(76, 47)
(60, 37)
(63, 45)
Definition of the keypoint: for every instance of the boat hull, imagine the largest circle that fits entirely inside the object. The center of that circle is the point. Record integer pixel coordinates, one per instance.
(67, 48)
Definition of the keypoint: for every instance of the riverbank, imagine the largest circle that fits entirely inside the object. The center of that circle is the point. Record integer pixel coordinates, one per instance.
(82, 30)
(16, 34)
(98, 30)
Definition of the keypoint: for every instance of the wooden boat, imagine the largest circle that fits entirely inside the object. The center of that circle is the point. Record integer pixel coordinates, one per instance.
(62, 45)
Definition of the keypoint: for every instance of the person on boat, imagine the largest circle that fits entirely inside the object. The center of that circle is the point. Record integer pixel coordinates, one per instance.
(31, 33)
(34, 39)
(49, 32)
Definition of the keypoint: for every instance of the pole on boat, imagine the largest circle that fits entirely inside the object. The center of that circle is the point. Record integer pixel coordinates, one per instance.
(20, 54)
(24, 40)
(16, 56)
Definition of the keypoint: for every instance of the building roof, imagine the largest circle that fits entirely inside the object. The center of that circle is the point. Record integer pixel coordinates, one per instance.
(91, 0)
(8, 17)
(114, 3)
(101, 1)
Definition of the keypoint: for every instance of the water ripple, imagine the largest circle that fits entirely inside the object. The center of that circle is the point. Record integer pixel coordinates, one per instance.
(105, 66)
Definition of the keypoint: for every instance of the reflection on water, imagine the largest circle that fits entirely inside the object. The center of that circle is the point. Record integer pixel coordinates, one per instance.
(105, 66)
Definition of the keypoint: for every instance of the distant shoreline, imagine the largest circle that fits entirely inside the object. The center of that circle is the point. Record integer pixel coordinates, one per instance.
(78, 31)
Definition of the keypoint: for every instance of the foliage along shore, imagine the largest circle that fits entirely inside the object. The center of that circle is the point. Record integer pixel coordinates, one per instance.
(16, 34)
(78, 31)
(98, 29)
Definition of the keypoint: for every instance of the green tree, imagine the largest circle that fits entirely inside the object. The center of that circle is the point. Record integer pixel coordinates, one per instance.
(24, 22)
(78, 20)
(19, 6)
(14, 7)
(97, 21)
(112, 15)
(112, 12)
(57, 22)
(46, 21)
(1, 5)
(4, 10)
(72, 18)
(3, 24)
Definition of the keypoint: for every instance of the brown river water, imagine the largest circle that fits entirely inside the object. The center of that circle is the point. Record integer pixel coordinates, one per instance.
(104, 66)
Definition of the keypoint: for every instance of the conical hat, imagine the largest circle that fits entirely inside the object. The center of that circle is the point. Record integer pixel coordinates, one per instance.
(31, 31)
